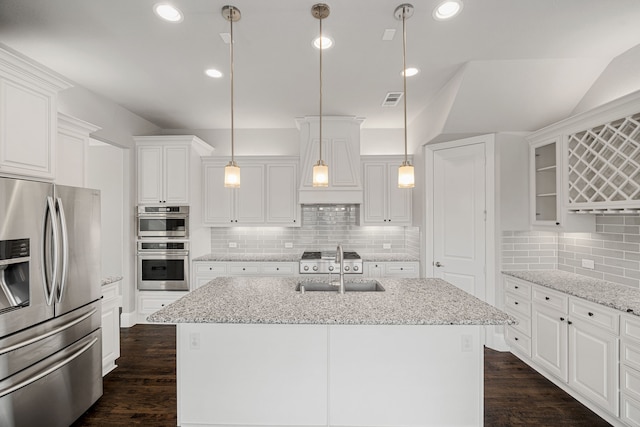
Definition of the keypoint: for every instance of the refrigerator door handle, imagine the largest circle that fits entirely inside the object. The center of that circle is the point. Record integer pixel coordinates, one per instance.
(49, 285)
(51, 368)
(65, 250)
(49, 332)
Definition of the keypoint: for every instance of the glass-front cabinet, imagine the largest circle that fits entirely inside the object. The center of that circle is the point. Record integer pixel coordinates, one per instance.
(545, 183)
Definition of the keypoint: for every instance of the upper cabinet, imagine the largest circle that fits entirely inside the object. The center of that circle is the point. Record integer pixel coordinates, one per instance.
(340, 151)
(267, 194)
(72, 150)
(384, 203)
(545, 183)
(28, 118)
(165, 164)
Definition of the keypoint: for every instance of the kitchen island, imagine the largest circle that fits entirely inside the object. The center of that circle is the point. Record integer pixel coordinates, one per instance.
(255, 352)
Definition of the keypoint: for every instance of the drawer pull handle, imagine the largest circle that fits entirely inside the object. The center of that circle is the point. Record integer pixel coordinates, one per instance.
(547, 298)
(590, 313)
(562, 319)
(570, 322)
(516, 338)
(516, 302)
(516, 287)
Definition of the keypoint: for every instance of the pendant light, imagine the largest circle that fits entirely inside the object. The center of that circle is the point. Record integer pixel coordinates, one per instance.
(232, 170)
(320, 169)
(406, 178)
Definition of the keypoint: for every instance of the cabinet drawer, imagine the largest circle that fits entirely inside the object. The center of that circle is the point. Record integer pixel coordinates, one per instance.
(276, 269)
(515, 303)
(630, 354)
(210, 268)
(630, 382)
(243, 270)
(110, 291)
(396, 269)
(595, 314)
(518, 287)
(550, 298)
(630, 327)
(629, 410)
(151, 304)
(524, 322)
(518, 341)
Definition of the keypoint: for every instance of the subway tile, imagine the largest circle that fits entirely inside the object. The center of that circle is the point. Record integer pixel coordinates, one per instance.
(634, 274)
(618, 271)
(626, 229)
(632, 256)
(632, 220)
(608, 236)
(566, 254)
(631, 247)
(599, 228)
(526, 247)
(635, 265)
(542, 240)
(609, 219)
(589, 273)
(622, 280)
(632, 238)
(610, 253)
(589, 243)
(545, 246)
(515, 267)
(566, 268)
(578, 249)
(526, 260)
(542, 266)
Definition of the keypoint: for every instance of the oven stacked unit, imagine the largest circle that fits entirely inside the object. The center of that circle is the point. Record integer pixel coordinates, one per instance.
(323, 262)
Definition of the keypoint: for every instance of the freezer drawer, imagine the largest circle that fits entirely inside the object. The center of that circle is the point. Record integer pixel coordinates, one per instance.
(57, 390)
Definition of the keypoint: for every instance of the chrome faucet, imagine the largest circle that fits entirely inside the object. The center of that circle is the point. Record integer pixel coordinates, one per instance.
(340, 259)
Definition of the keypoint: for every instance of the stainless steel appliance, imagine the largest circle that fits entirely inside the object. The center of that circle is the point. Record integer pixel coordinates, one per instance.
(325, 262)
(163, 221)
(163, 266)
(50, 317)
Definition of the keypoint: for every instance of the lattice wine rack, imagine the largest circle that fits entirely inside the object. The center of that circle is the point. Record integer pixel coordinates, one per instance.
(604, 167)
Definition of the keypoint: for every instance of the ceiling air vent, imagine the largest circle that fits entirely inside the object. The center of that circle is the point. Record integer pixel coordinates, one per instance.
(392, 99)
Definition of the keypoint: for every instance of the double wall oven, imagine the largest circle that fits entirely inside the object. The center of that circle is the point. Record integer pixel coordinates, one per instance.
(163, 248)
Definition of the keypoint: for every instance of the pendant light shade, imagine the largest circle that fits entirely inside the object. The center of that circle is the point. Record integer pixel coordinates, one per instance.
(232, 170)
(406, 177)
(320, 169)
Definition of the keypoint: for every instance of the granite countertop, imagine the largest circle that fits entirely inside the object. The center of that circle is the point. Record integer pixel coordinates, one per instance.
(388, 258)
(250, 257)
(110, 279)
(272, 300)
(616, 296)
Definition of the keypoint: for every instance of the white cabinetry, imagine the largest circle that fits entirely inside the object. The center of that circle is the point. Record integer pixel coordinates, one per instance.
(111, 303)
(152, 301)
(267, 193)
(384, 202)
(205, 271)
(630, 369)
(407, 269)
(72, 150)
(573, 340)
(28, 118)
(164, 167)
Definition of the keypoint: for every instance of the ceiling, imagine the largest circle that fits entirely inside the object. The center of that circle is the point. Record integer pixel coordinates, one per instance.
(497, 54)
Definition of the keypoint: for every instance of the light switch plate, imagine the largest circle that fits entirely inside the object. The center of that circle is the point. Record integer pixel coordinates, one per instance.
(233, 245)
(288, 245)
(386, 246)
(588, 263)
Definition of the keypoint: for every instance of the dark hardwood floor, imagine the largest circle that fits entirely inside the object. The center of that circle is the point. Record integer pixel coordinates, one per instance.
(142, 390)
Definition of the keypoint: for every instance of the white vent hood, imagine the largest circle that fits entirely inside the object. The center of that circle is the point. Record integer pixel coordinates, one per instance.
(340, 151)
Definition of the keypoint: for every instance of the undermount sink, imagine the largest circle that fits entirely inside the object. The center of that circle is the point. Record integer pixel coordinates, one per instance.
(361, 286)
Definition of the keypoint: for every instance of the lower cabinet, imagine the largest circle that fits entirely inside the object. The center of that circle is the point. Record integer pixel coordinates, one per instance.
(630, 369)
(151, 301)
(392, 269)
(111, 303)
(575, 341)
(206, 271)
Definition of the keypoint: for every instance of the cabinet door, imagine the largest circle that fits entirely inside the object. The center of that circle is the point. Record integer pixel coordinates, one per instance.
(150, 167)
(218, 206)
(282, 194)
(28, 119)
(71, 154)
(593, 365)
(250, 196)
(375, 197)
(544, 183)
(176, 174)
(401, 269)
(549, 340)
(398, 199)
(374, 269)
(110, 334)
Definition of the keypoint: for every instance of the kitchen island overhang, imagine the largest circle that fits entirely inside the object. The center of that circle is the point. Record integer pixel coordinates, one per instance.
(254, 352)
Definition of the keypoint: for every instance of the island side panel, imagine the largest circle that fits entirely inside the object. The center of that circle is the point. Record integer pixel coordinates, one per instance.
(248, 374)
(406, 376)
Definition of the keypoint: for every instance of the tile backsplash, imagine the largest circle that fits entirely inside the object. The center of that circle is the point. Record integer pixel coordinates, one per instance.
(614, 248)
(323, 227)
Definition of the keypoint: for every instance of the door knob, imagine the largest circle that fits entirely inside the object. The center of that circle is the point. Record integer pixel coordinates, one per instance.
(438, 264)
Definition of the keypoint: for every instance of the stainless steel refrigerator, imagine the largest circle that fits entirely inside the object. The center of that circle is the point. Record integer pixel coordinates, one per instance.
(50, 314)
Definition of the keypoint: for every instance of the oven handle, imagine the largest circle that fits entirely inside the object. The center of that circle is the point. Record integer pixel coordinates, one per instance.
(162, 215)
(49, 369)
(169, 255)
(48, 333)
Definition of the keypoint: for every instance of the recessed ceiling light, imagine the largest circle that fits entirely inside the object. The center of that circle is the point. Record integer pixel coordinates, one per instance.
(212, 72)
(411, 71)
(327, 42)
(168, 12)
(447, 10)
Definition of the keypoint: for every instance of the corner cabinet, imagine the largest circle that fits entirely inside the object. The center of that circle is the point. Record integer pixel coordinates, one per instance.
(28, 118)
(384, 203)
(164, 167)
(267, 194)
(72, 150)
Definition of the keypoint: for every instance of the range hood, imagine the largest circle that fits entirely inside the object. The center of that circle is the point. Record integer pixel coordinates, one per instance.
(341, 152)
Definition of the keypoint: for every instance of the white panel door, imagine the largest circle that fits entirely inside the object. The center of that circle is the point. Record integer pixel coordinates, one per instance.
(282, 194)
(250, 195)
(176, 174)
(398, 199)
(549, 340)
(375, 200)
(218, 206)
(459, 217)
(149, 174)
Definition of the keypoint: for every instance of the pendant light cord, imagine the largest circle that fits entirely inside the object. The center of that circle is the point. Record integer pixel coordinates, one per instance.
(404, 78)
(231, 12)
(320, 121)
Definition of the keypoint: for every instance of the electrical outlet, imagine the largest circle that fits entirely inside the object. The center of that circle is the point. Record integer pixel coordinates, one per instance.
(288, 245)
(588, 263)
(467, 343)
(194, 341)
(233, 245)
(386, 246)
